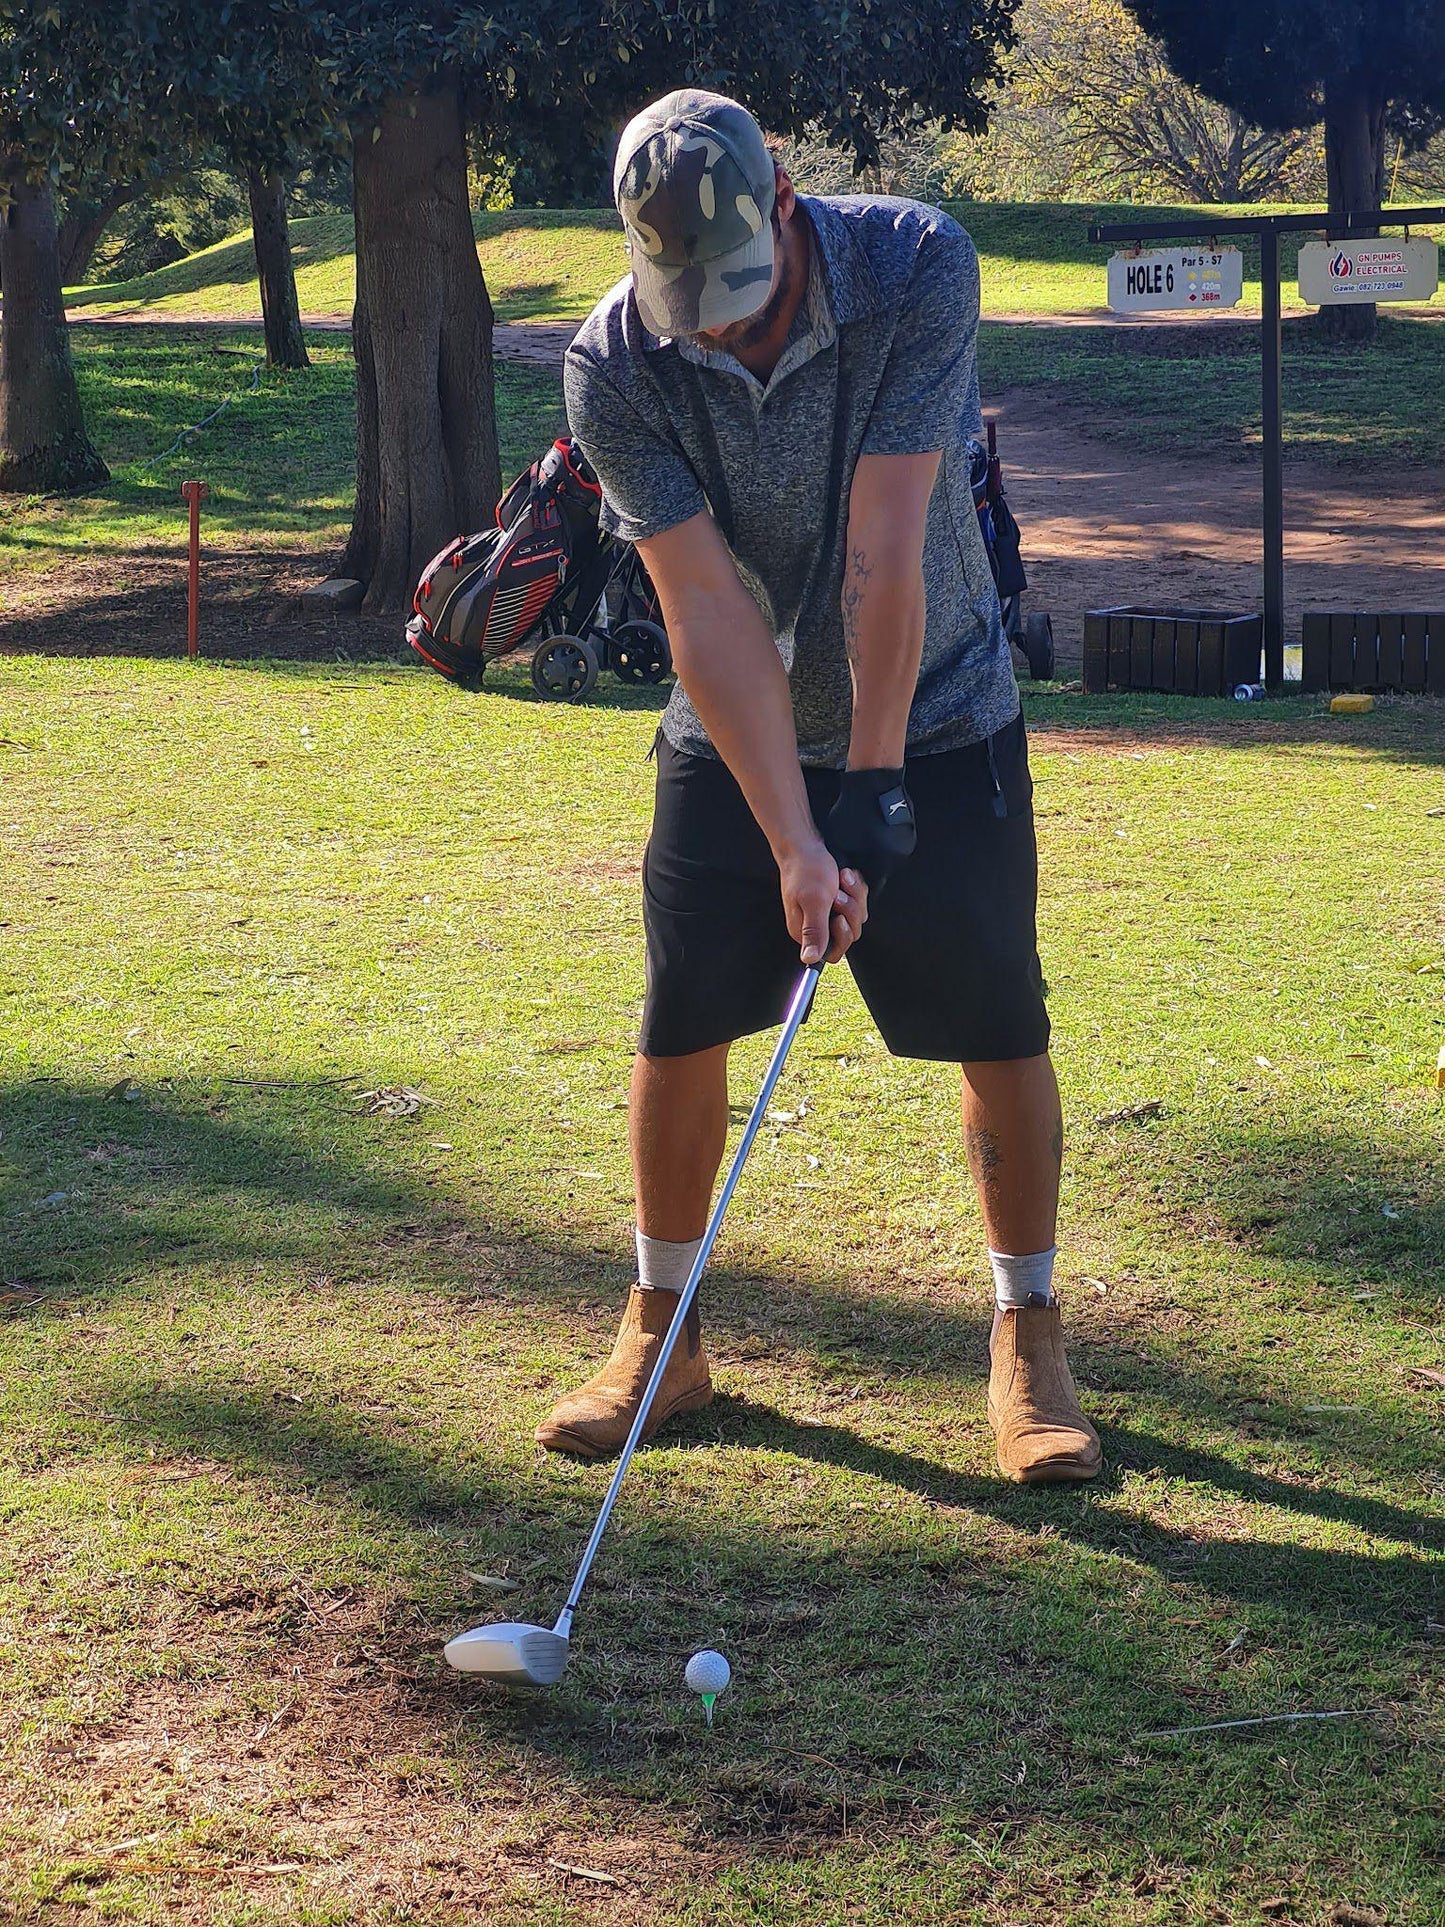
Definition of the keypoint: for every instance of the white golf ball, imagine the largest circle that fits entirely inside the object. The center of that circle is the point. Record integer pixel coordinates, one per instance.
(707, 1672)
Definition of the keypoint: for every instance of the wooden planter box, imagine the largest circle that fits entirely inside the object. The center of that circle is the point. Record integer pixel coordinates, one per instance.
(1190, 652)
(1352, 651)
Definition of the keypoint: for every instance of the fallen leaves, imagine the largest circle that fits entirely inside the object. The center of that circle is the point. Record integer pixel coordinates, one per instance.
(1427, 1375)
(1131, 1113)
(586, 1873)
(394, 1100)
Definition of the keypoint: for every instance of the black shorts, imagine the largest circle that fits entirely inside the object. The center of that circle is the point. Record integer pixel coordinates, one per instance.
(948, 962)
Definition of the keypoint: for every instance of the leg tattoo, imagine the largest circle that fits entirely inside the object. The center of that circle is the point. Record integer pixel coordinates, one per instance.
(985, 1155)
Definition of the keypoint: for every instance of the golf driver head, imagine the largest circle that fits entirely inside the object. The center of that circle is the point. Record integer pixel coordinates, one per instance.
(511, 1653)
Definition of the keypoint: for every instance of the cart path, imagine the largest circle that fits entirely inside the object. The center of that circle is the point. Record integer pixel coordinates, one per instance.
(1103, 523)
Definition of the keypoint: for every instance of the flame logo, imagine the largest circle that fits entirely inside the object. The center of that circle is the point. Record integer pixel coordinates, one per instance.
(1341, 266)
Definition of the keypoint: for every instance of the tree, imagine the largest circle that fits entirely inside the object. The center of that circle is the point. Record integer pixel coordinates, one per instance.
(1127, 120)
(44, 447)
(410, 79)
(275, 274)
(1284, 62)
(82, 218)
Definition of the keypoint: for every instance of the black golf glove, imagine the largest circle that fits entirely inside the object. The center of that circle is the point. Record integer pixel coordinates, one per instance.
(870, 828)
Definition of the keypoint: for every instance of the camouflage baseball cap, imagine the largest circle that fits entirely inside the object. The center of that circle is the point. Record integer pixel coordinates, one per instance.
(694, 185)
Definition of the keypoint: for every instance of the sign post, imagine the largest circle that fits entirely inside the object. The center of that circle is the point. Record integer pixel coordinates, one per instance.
(1374, 271)
(193, 493)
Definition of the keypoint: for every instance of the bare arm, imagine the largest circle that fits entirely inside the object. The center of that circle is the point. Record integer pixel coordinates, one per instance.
(729, 665)
(883, 601)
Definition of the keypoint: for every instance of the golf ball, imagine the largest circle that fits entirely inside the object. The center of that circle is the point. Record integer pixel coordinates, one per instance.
(707, 1672)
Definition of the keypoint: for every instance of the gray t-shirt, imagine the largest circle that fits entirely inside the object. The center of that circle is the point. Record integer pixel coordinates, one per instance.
(880, 360)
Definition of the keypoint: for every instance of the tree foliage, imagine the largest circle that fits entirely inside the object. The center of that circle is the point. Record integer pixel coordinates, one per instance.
(1103, 97)
(1274, 59)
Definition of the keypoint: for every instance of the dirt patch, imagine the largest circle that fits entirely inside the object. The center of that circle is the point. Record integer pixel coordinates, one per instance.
(136, 606)
(1104, 523)
(320, 1744)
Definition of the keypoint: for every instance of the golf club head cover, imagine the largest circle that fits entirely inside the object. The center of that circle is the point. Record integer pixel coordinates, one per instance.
(870, 828)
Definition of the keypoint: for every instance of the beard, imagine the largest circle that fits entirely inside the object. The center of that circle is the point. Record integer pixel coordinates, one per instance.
(754, 328)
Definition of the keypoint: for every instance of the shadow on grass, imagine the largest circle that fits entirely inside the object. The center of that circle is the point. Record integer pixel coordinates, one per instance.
(1402, 729)
(99, 1195)
(1378, 1589)
(900, 1609)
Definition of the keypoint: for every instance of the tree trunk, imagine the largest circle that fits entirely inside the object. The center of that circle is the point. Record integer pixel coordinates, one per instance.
(44, 449)
(84, 221)
(271, 238)
(1355, 169)
(426, 439)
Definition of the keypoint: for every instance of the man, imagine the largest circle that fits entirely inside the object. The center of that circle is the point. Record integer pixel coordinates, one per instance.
(777, 401)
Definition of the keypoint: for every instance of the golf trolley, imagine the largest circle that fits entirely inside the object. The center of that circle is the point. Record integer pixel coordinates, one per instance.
(621, 632)
(1032, 635)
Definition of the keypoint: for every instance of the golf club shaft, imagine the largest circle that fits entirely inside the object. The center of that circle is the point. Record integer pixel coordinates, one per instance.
(797, 1011)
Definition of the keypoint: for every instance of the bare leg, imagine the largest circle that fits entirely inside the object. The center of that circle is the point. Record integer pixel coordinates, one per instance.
(679, 1129)
(679, 1123)
(1013, 1129)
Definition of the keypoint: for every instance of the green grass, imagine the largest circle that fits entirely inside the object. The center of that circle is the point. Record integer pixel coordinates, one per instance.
(1200, 398)
(545, 264)
(270, 1365)
(541, 264)
(279, 461)
(1179, 390)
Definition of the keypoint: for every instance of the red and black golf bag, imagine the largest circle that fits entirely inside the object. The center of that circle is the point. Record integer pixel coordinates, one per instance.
(486, 594)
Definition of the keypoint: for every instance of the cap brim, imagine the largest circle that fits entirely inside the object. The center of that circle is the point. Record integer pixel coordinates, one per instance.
(706, 294)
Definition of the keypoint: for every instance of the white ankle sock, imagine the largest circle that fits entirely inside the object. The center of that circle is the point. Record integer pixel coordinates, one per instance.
(663, 1265)
(1023, 1282)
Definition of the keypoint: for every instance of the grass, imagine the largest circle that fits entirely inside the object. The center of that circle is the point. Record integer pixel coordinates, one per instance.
(1198, 395)
(1179, 390)
(546, 264)
(269, 1365)
(279, 461)
(541, 264)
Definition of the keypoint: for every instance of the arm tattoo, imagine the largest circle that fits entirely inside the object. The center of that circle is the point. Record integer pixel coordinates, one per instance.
(855, 583)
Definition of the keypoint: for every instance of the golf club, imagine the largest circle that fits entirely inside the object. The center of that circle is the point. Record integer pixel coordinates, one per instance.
(521, 1655)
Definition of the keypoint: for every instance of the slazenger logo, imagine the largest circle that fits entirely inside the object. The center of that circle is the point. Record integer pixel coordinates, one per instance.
(894, 808)
(1341, 266)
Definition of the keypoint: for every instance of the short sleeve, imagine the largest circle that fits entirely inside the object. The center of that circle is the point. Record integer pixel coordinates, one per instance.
(930, 383)
(647, 483)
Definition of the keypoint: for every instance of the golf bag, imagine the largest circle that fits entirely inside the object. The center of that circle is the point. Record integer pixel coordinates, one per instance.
(486, 594)
(1002, 540)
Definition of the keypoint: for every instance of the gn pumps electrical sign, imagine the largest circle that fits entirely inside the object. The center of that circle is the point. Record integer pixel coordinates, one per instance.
(1336, 273)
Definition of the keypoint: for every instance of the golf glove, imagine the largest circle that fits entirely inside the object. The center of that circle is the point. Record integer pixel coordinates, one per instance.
(870, 828)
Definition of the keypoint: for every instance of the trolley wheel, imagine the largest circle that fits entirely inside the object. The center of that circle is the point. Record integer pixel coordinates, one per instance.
(564, 669)
(640, 653)
(1039, 645)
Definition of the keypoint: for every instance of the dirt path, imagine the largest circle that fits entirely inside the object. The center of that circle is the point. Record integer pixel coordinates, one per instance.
(1103, 523)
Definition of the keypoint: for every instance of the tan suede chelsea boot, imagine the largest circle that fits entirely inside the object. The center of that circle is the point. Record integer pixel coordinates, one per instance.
(593, 1422)
(1042, 1435)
